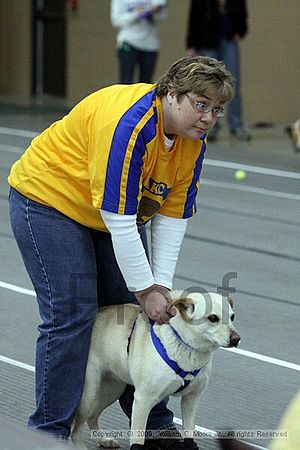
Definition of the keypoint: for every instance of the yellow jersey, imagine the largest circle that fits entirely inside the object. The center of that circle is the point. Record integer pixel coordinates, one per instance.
(109, 153)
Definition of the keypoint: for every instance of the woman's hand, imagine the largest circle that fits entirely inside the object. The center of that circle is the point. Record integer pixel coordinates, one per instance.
(191, 51)
(154, 302)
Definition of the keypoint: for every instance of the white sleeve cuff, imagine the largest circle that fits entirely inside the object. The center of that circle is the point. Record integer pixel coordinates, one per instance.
(129, 251)
(166, 237)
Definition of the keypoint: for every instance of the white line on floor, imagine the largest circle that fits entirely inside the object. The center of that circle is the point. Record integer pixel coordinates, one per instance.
(251, 189)
(204, 431)
(12, 287)
(16, 132)
(259, 357)
(267, 359)
(13, 362)
(207, 161)
(211, 433)
(253, 169)
(11, 149)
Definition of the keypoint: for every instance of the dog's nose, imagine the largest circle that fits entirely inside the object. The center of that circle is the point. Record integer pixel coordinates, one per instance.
(234, 340)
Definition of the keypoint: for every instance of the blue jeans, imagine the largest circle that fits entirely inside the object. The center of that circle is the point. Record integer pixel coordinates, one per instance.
(229, 52)
(74, 271)
(129, 58)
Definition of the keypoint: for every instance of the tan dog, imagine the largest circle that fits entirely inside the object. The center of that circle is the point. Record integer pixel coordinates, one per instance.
(203, 323)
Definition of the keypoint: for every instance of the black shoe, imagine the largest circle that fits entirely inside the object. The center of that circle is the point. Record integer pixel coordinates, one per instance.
(169, 439)
(241, 134)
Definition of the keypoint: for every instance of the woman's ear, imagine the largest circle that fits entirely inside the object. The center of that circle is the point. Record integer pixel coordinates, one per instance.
(170, 97)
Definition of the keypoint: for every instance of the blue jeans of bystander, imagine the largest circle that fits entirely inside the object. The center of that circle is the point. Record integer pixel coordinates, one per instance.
(130, 58)
(229, 52)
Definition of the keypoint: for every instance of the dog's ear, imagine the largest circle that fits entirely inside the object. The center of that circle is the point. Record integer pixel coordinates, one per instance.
(230, 301)
(185, 306)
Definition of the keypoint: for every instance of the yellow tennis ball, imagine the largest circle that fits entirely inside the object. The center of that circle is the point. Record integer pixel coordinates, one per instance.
(240, 175)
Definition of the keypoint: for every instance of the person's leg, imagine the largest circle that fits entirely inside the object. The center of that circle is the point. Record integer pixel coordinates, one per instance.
(112, 289)
(212, 53)
(147, 61)
(59, 257)
(127, 57)
(231, 57)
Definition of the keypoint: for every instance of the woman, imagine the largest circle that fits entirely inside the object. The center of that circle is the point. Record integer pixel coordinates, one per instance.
(79, 196)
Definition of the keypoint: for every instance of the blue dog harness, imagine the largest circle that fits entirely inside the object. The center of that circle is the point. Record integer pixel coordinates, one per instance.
(171, 363)
(162, 352)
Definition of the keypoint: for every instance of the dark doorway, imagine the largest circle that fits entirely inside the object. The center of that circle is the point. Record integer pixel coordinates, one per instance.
(49, 47)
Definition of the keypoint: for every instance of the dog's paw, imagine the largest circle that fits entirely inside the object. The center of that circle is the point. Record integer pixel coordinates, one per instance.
(108, 443)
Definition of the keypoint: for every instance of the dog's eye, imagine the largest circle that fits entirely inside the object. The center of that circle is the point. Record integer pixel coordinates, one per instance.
(232, 317)
(213, 318)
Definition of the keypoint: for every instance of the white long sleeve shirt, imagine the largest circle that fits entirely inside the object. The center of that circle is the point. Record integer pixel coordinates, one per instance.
(166, 237)
(134, 28)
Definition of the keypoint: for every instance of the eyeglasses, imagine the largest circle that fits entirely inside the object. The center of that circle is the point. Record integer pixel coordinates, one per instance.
(204, 108)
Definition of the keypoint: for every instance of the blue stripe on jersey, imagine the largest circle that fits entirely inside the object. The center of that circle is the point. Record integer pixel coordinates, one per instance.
(118, 148)
(148, 133)
(190, 205)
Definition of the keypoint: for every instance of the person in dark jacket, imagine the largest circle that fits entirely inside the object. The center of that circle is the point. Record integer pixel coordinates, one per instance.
(215, 28)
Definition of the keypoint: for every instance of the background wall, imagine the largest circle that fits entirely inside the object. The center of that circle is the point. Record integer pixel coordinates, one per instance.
(15, 48)
(271, 61)
(270, 53)
(91, 48)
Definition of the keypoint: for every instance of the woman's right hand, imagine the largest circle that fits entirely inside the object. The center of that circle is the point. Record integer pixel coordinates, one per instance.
(155, 304)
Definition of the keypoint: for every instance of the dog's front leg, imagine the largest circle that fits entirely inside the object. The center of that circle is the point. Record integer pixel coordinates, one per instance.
(189, 407)
(140, 411)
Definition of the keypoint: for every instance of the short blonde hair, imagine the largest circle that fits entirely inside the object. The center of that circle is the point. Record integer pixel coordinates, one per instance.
(201, 75)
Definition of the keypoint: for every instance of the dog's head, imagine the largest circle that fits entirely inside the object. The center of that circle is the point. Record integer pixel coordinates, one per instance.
(205, 319)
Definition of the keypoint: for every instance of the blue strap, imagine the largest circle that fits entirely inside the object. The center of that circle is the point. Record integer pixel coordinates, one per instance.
(171, 363)
(179, 337)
